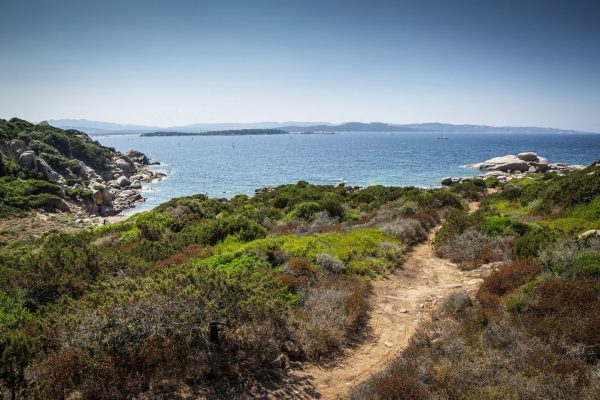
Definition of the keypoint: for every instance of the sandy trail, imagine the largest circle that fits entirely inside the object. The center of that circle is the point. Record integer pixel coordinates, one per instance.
(400, 302)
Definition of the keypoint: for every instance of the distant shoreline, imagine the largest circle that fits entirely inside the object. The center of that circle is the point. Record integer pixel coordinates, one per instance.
(234, 132)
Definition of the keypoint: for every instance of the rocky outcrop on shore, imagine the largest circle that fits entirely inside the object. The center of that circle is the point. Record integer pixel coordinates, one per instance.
(508, 167)
(105, 189)
(119, 187)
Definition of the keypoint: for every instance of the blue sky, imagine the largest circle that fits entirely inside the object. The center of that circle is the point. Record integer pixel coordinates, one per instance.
(178, 62)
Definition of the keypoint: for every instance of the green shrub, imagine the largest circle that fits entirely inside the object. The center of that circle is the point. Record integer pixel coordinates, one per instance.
(439, 198)
(496, 225)
(510, 192)
(457, 222)
(332, 203)
(492, 182)
(586, 264)
(281, 201)
(216, 230)
(305, 210)
(530, 244)
(13, 312)
(576, 188)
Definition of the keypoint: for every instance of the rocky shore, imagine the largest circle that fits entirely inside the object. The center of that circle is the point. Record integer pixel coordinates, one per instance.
(89, 189)
(119, 187)
(510, 166)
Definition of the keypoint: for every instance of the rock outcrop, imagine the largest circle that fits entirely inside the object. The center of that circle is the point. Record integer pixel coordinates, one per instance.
(91, 179)
(137, 157)
(16, 147)
(110, 189)
(50, 174)
(119, 187)
(27, 160)
(511, 163)
(507, 167)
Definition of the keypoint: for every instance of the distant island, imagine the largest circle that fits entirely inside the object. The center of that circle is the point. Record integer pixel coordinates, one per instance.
(235, 132)
(229, 132)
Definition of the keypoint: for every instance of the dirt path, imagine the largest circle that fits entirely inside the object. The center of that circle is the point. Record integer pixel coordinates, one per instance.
(401, 302)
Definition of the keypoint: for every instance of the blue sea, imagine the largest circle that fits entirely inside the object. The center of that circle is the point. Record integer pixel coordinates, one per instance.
(223, 166)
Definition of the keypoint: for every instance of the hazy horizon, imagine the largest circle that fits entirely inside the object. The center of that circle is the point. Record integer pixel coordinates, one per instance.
(166, 64)
(73, 122)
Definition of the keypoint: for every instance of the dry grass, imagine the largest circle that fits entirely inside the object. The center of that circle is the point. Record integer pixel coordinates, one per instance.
(510, 277)
(533, 355)
(409, 231)
(472, 249)
(192, 251)
(332, 316)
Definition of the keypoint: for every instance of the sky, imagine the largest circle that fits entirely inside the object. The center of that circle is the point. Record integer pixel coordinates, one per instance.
(168, 63)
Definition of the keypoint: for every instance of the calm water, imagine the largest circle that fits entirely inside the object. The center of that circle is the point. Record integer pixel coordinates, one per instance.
(225, 166)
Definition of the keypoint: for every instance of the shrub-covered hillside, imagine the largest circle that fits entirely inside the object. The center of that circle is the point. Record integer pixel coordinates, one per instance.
(203, 296)
(42, 167)
(532, 329)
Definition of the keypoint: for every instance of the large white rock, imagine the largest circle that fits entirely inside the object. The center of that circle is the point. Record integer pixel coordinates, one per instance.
(494, 173)
(492, 163)
(590, 233)
(521, 166)
(528, 156)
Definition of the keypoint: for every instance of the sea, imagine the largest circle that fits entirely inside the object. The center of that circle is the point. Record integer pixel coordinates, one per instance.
(224, 166)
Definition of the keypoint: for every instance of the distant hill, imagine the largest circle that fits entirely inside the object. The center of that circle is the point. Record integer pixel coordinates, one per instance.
(238, 126)
(424, 127)
(354, 127)
(231, 132)
(438, 127)
(109, 128)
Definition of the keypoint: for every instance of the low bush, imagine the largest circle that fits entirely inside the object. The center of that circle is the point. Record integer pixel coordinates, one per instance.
(559, 256)
(455, 305)
(531, 243)
(496, 225)
(586, 264)
(298, 274)
(510, 277)
(578, 305)
(329, 263)
(332, 203)
(439, 198)
(409, 231)
(427, 217)
(472, 249)
(306, 210)
(469, 190)
(323, 222)
(331, 316)
(456, 223)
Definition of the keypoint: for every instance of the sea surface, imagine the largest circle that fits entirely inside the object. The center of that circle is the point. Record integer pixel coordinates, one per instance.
(223, 166)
